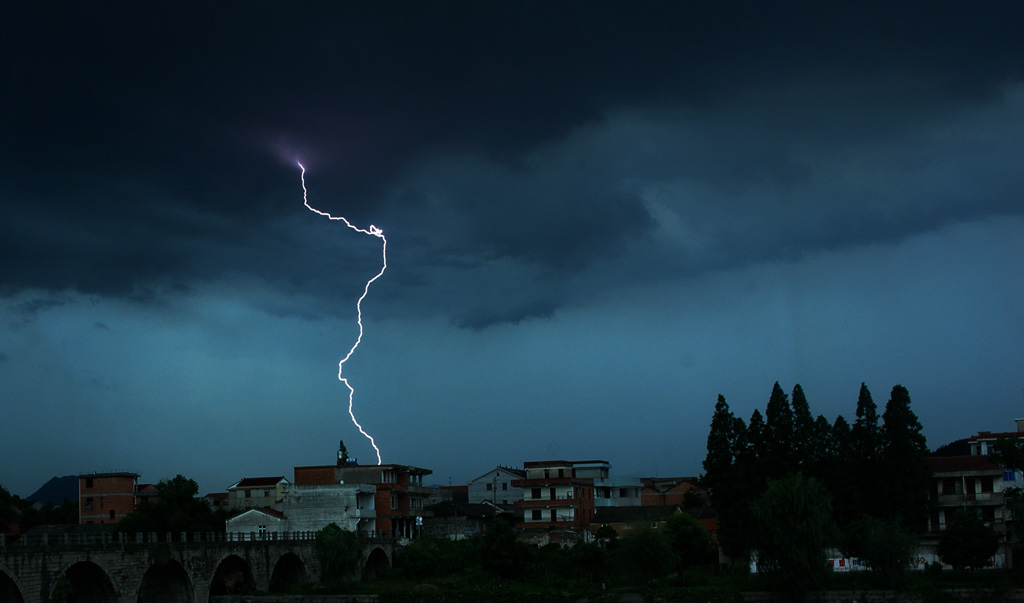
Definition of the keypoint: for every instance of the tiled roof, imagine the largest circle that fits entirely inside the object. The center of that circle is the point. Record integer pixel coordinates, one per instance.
(560, 463)
(951, 464)
(265, 511)
(988, 435)
(449, 509)
(259, 482)
(634, 514)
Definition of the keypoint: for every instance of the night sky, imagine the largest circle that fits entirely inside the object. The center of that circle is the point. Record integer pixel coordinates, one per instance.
(599, 217)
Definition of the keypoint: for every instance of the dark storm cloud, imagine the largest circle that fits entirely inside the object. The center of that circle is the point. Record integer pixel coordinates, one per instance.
(150, 147)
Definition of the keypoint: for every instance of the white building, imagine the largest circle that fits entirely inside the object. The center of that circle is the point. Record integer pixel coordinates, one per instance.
(309, 509)
(623, 492)
(496, 487)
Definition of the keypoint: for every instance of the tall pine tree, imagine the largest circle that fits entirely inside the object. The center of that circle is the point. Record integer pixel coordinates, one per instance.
(803, 430)
(904, 463)
(778, 459)
(721, 444)
(729, 460)
(866, 449)
(838, 480)
(866, 434)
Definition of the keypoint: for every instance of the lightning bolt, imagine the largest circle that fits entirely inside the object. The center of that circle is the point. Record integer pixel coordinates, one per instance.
(374, 232)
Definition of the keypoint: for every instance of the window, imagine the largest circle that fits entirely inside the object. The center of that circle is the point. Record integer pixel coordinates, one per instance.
(535, 494)
(266, 493)
(547, 473)
(561, 473)
(88, 503)
(623, 492)
(88, 482)
(394, 501)
(489, 487)
(1009, 475)
(262, 530)
(248, 493)
(986, 484)
(111, 514)
(504, 486)
(553, 516)
(536, 515)
(949, 486)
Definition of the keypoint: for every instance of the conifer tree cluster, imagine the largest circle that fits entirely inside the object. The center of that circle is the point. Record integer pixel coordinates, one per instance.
(875, 469)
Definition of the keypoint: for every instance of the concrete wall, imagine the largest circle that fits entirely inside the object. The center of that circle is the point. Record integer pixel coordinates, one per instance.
(352, 507)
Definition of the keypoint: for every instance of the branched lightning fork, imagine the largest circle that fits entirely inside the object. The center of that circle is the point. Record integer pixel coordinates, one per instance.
(375, 232)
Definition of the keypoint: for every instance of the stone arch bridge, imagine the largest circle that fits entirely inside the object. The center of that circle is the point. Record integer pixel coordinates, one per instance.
(142, 568)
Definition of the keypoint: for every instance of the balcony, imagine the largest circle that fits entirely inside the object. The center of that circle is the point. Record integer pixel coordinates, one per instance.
(972, 499)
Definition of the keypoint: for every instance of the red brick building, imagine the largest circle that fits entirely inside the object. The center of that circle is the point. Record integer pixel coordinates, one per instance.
(106, 497)
(660, 491)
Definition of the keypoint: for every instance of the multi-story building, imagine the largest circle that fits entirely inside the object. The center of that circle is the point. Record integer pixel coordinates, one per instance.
(496, 487)
(973, 483)
(558, 499)
(977, 483)
(400, 495)
(256, 492)
(106, 497)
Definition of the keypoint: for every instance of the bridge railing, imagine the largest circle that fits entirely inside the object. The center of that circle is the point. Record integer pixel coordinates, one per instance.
(112, 539)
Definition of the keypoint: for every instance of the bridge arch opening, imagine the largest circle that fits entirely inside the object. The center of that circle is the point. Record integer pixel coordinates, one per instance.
(377, 564)
(84, 581)
(288, 571)
(165, 583)
(9, 591)
(233, 577)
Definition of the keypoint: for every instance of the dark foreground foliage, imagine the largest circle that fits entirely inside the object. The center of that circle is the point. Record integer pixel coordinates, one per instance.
(555, 574)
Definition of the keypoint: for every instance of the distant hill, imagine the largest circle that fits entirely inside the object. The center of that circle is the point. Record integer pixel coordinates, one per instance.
(961, 447)
(56, 490)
